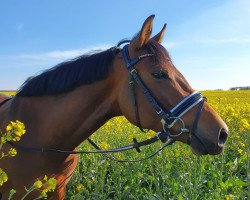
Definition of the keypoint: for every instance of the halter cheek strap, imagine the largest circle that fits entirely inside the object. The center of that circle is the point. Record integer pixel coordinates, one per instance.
(137, 79)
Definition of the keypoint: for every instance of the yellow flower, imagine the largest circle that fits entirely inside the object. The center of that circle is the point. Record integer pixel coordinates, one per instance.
(12, 152)
(9, 127)
(45, 178)
(14, 131)
(236, 100)
(229, 197)
(150, 134)
(3, 140)
(12, 123)
(51, 184)
(242, 144)
(104, 145)
(244, 125)
(19, 133)
(240, 151)
(38, 184)
(3, 177)
(44, 193)
(79, 187)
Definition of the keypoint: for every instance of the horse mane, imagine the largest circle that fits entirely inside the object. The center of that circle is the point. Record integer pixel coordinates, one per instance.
(83, 70)
(71, 74)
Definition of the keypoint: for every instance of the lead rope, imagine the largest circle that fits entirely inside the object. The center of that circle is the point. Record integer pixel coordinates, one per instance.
(110, 157)
(160, 136)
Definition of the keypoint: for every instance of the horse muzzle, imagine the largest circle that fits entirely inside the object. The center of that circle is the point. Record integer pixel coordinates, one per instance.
(202, 146)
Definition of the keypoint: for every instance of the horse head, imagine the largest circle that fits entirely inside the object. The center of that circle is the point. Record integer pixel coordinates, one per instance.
(145, 63)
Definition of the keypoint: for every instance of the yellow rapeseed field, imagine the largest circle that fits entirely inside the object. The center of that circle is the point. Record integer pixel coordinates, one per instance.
(10, 93)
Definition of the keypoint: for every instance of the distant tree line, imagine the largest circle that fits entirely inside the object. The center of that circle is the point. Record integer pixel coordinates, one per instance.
(240, 88)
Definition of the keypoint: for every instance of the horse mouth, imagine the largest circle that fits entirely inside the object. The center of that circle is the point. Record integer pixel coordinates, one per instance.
(198, 152)
(199, 149)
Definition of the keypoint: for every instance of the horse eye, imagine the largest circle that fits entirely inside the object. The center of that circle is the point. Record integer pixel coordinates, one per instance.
(159, 75)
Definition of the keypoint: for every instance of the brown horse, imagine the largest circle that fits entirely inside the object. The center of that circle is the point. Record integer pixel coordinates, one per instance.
(63, 106)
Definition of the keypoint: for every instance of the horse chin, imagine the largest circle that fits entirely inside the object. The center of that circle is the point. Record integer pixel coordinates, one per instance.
(198, 152)
(197, 148)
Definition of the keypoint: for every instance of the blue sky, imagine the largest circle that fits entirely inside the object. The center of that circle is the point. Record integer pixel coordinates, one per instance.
(208, 40)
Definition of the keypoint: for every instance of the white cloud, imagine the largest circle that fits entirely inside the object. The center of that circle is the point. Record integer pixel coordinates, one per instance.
(57, 55)
(25, 65)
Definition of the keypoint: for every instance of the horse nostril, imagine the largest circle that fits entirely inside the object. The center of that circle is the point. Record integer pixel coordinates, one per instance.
(222, 137)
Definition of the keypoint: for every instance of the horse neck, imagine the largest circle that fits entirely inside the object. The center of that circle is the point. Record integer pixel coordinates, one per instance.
(64, 121)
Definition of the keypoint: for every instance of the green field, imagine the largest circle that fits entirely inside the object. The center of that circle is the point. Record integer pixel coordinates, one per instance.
(174, 174)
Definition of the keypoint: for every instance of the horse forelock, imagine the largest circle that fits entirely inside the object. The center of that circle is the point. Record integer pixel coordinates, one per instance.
(161, 55)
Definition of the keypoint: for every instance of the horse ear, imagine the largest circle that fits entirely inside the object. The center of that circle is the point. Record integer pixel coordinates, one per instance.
(144, 35)
(158, 38)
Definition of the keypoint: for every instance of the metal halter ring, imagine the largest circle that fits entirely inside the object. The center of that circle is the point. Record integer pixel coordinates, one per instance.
(183, 129)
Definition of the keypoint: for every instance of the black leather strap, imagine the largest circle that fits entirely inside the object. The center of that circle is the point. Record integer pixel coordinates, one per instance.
(135, 145)
(134, 103)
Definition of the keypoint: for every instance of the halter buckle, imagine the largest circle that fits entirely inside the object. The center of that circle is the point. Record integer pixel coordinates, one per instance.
(163, 136)
(184, 130)
(166, 126)
(133, 71)
(159, 112)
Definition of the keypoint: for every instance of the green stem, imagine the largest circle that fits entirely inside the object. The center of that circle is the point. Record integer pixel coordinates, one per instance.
(40, 197)
(28, 192)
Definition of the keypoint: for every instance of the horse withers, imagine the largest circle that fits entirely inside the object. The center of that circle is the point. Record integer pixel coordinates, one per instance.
(64, 105)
